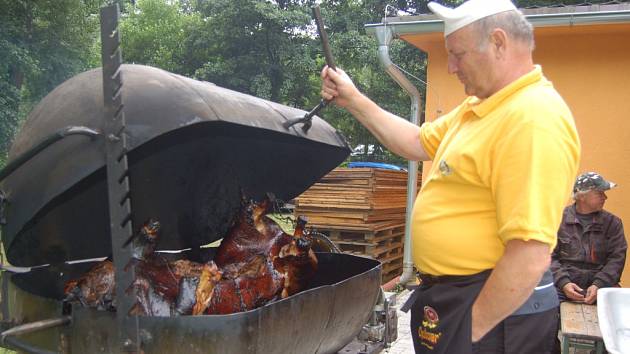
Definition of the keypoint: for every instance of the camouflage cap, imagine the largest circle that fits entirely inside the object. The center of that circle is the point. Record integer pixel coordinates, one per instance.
(592, 181)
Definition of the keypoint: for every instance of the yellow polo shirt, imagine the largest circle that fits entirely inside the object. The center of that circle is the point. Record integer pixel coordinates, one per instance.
(502, 169)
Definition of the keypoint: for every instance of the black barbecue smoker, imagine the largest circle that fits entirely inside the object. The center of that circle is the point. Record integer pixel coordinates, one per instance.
(110, 148)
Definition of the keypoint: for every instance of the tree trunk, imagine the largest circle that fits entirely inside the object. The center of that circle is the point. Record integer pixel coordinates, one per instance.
(16, 76)
(275, 69)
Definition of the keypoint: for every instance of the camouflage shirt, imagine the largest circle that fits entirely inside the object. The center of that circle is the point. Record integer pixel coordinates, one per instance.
(590, 255)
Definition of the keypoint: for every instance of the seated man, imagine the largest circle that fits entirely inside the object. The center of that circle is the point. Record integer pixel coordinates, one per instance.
(591, 249)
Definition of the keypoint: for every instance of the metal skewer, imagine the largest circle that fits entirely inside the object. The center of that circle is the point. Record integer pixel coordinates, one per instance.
(308, 117)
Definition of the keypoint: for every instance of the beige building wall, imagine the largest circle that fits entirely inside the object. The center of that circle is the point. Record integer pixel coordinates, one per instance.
(590, 67)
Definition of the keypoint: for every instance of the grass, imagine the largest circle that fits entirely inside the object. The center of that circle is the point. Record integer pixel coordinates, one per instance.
(285, 221)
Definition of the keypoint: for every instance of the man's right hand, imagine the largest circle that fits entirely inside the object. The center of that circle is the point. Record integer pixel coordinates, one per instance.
(397, 134)
(573, 292)
(338, 87)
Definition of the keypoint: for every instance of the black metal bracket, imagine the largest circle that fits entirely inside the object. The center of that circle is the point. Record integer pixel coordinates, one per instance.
(121, 226)
(307, 120)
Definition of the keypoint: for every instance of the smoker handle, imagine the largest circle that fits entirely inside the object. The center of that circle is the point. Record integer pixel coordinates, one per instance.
(51, 139)
(324, 38)
(308, 117)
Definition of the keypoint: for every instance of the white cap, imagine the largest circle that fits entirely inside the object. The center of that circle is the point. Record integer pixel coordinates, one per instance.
(468, 12)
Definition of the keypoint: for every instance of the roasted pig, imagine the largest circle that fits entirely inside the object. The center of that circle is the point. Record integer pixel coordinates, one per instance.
(256, 263)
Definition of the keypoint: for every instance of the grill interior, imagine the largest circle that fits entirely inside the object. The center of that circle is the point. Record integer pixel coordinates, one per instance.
(192, 180)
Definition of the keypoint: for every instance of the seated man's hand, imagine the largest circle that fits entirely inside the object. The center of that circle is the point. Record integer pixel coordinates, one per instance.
(573, 292)
(591, 294)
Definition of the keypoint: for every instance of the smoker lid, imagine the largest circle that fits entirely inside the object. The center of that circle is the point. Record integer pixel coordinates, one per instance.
(164, 112)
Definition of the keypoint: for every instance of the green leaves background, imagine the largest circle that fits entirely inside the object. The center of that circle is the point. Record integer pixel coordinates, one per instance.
(268, 49)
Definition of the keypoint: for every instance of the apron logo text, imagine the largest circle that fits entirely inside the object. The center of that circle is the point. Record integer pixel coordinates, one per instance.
(429, 337)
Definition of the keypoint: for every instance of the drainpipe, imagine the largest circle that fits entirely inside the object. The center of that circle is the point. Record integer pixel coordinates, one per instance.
(384, 37)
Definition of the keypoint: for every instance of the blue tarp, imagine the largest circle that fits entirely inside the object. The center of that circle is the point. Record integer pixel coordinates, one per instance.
(386, 166)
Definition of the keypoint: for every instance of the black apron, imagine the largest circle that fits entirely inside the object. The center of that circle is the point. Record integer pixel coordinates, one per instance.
(441, 310)
(441, 319)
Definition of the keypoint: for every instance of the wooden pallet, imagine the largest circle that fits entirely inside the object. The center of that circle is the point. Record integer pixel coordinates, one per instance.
(325, 215)
(384, 245)
(362, 210)
(373, 227)
(355, 199)
(368, 237)
(391, 269)
(383, 249)
(344, 197)
(365, 177)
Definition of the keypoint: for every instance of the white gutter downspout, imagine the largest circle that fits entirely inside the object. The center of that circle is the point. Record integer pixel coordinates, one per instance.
(384, 37)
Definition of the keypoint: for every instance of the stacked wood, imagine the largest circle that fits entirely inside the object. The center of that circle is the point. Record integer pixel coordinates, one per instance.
(363, 211)
(385, 245)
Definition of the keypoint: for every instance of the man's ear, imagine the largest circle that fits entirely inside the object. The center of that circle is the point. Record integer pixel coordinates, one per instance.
(499, 42)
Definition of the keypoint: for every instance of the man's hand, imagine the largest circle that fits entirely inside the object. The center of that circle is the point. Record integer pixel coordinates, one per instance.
(591, 294)
(338, 87)
(399, 135)
(573, 292)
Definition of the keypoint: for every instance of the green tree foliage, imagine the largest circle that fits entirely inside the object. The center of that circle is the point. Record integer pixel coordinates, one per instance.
(42, 43)
(355, 52)
(257, 47)
(269, 49)
(156, 33)
(266, 48)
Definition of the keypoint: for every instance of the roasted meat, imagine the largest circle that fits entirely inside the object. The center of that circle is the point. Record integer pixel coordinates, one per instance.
(256, 263)
(296, 261)
(143, 244)
(95, 288)
(243, 286)
(158, 286)
(253, 234)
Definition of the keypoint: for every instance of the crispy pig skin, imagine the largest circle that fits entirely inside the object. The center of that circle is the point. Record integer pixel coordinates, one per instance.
(95, 288)
(253, 234)
(257, 284)
(256, 263)
(208, 280)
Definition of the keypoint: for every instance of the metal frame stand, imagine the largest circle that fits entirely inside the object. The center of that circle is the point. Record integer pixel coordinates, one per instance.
(120, 215)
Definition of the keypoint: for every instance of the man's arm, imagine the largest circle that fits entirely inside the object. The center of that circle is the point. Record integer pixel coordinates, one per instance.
(561, 277)
(397, 134)
(510, 284)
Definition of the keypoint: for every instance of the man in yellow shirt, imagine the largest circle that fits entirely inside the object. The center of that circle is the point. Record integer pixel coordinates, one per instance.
(485, 221)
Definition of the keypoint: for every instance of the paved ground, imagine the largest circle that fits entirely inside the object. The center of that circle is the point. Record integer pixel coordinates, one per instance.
(404, 343)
